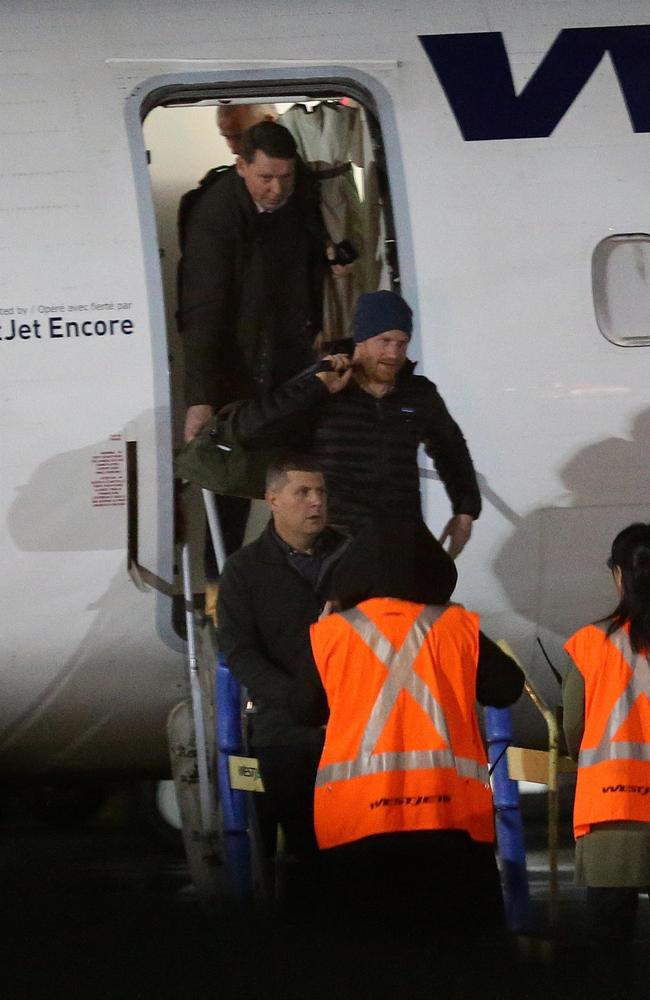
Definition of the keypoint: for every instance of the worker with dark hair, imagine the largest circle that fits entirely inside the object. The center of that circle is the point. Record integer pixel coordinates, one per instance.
(607, 727)
(403, 808)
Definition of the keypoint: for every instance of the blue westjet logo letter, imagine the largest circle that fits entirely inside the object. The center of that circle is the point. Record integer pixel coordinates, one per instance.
(475, 74)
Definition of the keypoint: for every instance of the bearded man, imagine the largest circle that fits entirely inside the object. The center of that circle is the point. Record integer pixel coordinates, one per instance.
(364, 420)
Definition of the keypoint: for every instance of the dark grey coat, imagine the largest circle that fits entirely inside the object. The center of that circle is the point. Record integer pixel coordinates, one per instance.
(264, 613)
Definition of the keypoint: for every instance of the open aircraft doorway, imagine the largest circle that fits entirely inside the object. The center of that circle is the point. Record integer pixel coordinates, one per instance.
(337, 133)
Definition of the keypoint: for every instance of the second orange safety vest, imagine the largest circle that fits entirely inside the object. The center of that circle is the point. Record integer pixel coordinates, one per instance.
(614, 760)
(402, 749)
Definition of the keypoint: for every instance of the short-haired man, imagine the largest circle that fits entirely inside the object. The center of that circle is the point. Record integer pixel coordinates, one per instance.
(250, 286)
(270, 592)
(252, 275)
(232, 121)
(364, 422)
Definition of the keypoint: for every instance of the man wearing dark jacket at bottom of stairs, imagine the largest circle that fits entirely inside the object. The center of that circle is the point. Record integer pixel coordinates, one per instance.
(271, 592)
(364, 422)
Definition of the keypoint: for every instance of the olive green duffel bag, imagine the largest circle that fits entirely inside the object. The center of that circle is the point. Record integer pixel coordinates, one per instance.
(217, 461)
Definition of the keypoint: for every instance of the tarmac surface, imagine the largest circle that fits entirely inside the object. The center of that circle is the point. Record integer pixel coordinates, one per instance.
(106, 910)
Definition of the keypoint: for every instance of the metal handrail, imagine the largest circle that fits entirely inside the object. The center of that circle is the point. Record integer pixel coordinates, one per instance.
(205, 797)
(552, 772)
(215, 528)
(552, 798)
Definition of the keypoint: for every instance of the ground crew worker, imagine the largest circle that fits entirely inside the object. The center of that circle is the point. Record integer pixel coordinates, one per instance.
(607, 727)
(403, 807)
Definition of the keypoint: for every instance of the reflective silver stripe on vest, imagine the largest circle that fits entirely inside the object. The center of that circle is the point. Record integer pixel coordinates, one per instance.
(401, 677)
(639, 683)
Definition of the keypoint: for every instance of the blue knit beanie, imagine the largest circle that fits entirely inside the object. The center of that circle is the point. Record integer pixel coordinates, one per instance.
(377, 312)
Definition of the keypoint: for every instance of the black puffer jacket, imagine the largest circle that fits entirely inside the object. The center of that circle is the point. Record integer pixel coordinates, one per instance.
(368, 446)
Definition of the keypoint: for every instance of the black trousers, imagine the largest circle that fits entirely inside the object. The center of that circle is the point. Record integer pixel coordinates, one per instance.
(289, 774)
(611, 914)
(439, 881)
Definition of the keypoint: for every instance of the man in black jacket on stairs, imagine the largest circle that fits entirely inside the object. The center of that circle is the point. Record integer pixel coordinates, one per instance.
(364, 421)
(271, 592)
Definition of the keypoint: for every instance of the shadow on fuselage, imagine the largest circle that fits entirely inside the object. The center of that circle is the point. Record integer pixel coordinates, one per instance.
(553, 565)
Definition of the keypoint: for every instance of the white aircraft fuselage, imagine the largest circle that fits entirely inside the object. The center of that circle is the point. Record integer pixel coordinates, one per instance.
(506, 173)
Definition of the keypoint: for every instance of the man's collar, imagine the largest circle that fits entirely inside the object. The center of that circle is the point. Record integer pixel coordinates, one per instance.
(253, 207)
(269, 211)
(315, 549)
(270, 545)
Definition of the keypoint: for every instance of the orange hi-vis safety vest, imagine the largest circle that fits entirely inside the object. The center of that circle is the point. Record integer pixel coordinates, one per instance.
(614, 759)
(402, 749)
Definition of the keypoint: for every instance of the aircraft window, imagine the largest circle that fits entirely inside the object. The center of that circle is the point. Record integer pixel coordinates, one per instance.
(620, 273)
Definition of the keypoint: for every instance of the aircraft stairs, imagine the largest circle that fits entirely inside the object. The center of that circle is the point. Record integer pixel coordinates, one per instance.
(215, 778)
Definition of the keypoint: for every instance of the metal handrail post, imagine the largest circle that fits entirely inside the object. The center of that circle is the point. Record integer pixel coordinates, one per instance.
(195, 692)
(215, 528)
(552, 781)
(553, 800)
(509, 825)
(234, 808)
